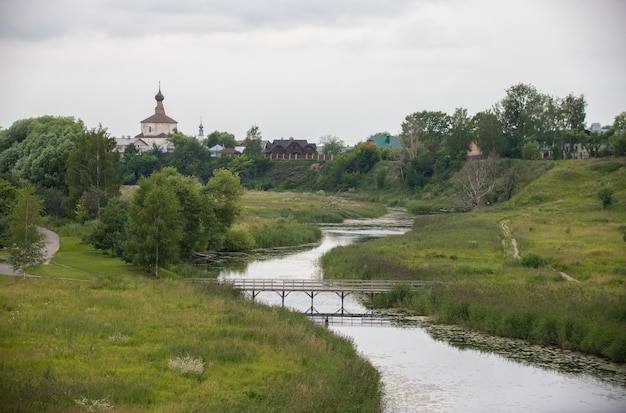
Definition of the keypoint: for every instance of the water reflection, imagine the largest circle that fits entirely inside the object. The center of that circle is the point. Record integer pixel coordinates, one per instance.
(431, 368)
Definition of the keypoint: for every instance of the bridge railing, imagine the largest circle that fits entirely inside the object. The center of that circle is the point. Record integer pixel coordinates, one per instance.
(265, 284)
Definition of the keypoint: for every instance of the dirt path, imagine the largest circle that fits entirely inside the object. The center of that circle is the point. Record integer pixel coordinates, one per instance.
(507, 237)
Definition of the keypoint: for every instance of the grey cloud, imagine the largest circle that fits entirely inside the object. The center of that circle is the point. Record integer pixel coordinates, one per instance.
(42, 19)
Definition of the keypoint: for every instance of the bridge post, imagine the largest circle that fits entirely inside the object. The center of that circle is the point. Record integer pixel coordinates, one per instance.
(282, 294)
(312, 294)
(342, 294)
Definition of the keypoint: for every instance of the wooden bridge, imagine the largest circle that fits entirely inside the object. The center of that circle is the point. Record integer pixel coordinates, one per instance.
(343, 288)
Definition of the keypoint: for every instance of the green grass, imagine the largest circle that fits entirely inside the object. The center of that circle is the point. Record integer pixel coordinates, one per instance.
(112, 337)
(278, 219)
(559, 225)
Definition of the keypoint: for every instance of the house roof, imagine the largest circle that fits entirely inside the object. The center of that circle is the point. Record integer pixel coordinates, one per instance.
(159, 136)
(285, 143)
(228, 151)
(386, 141)
(159, 118)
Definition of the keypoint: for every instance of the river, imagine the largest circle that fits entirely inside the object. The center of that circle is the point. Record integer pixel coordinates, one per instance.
(432, 368)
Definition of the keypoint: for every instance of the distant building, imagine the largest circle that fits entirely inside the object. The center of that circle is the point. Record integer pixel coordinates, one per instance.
(383, 140)
(200, 136)
(155, 128)
(474, 151)
(291, 149)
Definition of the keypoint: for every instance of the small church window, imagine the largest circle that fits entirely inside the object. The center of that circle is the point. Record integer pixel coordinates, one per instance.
(149, 128)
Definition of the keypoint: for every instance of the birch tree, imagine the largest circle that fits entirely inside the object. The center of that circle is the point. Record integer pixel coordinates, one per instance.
(26, 240)
(475, 182)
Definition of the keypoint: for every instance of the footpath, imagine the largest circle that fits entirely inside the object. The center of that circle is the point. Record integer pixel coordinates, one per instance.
(515, 250)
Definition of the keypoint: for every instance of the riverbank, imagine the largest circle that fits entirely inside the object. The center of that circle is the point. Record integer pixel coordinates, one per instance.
(281, 219)
(559, 226)
(114, 339)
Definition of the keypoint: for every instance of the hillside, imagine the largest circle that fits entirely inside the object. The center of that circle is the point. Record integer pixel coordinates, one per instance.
(559, 226)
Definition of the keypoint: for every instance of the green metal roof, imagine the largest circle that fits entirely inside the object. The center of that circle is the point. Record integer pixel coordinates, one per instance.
(386, 141)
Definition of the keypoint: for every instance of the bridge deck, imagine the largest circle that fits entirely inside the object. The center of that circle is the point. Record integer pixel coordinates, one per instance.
(307, 285)
(312, 288)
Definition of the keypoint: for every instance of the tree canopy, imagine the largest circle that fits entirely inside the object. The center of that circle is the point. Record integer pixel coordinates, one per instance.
(172, 216)
(93, 171)
(36, 150)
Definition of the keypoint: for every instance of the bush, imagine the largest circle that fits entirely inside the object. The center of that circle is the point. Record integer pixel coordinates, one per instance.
(534, 260)
(606, 196)
(238, 238)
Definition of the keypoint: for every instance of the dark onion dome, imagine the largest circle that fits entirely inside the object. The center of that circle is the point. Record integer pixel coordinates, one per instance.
(159, 96)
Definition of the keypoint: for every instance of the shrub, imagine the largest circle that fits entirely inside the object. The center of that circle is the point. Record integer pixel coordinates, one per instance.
(533, 260)
(238, 238)
(606, 196)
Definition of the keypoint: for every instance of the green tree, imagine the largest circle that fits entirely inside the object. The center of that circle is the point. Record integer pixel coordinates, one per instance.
(460, 135)
(531, 150)
(253, 149)
(36, 150)
(8, 194)
(137, 165)
(130, 160)
(109, 234)
(222, 194)
(94, 166)
(362, 158)
(426, 128)
(617, 140)
(573, 112)
(488, 133)
(519, 113)
(593, 142)
(253, 162)
(190, 157)
(155, 226)
(331, 145)
(26, 239)
(224, 139)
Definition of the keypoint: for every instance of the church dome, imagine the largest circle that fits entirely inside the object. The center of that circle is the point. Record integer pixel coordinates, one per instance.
(159, 96)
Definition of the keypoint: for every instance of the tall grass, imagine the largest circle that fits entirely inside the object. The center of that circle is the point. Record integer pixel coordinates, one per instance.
(123, 341)
(283, 233)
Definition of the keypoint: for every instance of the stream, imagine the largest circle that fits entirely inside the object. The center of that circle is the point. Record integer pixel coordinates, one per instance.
(427, 367)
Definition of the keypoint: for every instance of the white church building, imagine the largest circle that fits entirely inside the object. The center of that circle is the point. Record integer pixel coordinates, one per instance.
(154, 130)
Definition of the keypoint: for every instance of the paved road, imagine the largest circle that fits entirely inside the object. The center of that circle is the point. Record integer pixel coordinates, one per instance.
(52, 246)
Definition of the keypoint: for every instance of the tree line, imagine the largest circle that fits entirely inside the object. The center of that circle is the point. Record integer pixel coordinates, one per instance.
(76, 171)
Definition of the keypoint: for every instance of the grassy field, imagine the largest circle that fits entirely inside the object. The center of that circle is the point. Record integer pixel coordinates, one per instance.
(96, 334)
(560, 227)
(276, 219)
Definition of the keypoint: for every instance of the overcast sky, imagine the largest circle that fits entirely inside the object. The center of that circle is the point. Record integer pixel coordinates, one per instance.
(302, 68)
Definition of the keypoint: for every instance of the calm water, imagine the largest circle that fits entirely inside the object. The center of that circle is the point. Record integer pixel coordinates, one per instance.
(430, 368)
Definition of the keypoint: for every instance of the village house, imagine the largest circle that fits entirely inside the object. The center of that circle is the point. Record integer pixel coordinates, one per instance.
(384, 140)
(291, 149)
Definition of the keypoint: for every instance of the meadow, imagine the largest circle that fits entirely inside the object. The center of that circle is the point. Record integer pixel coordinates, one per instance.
(561, 229)
(92, 333)
(277, 219)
